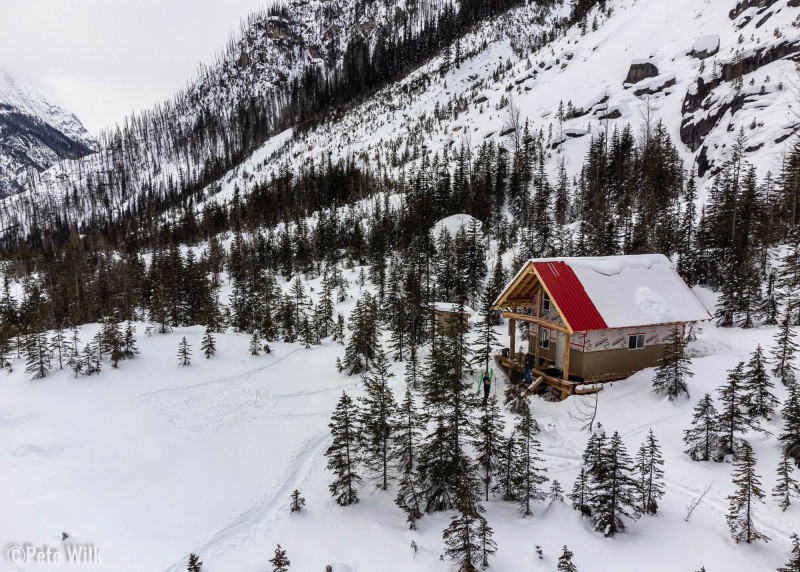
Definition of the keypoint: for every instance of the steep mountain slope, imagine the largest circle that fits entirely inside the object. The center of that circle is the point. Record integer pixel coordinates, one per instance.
(705, 70)
(290, 63)
(34, 134)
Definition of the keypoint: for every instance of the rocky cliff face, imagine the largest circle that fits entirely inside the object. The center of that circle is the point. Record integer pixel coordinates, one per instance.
(34, 134)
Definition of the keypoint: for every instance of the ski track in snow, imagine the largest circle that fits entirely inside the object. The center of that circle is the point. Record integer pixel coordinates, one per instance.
(262, 515)
(212, 405)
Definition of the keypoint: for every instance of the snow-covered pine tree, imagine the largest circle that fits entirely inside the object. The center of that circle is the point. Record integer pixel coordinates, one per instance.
(786, 487)
(488, 546)
(649, 463)
(413, 368)
(614, 496)
(408, 498)
(255, 344)
(565, 561)
(487, 339)
(528, 472)
(794, 559)
(37, 355)
(90, 358)
(748, 493)
(466, 535)
(194, 564)
(784, 351)
(488, 441)
(377, 419)
(504, 476)
(789, 278)
(279, 561)
(57, 346)
(580, 495)
(556, 493)
(360, 349)
(343, 454)
(673, 373)
(184, 353)
(790, 434)
(760, 401)
(208, 344)
(593, 455)
(300, 304)
(129, 349)
(702, 440)
(297, 502)
(407, 434)
(338, 329)
(732, 418)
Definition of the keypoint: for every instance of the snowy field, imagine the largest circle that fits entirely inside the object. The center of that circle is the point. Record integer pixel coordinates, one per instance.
(153, 461)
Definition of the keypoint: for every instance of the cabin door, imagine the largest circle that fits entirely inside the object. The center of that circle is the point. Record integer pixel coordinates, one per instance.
(561, 340)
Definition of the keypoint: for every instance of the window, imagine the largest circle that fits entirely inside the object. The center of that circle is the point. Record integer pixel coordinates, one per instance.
(545, 304)
(544, 338)
(635, 341)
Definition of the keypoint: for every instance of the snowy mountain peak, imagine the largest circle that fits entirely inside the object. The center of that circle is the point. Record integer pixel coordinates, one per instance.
(34, 134)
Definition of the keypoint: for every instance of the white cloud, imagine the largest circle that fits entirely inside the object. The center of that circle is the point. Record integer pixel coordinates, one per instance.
(103, 58)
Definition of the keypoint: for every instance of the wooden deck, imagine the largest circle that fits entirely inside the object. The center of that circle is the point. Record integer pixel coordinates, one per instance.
(567, 388)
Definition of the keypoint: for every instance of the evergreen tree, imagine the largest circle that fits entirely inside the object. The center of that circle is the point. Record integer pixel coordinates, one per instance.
(487, 339)
(649, 463)
(377, 414)
(58, 345)
(565, 561)
(184, 353)
(37, 355)
(790, 435)
(760, 401)
(528, 475)
(580, 495)
(408, 498)
(673, 373)
(784, 351)
(360, 351)
(614, 496)
(505, 476)
(787, 486)
(208, 345)
(488, 441)
(702, 440)
(255, 344)
(488, 546)
(732, 417)
(794, 560)
(556, 493)
(194, 564)
(297, 503)
(748, 493)
(343, 454)
(129, 349)
(338, 330)
(466, 535)
(279, 562)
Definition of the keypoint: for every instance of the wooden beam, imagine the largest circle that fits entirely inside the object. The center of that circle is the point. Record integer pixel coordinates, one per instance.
(512, 332)
(535, 320)
(538, 330)
(505, 296)
(565, 368)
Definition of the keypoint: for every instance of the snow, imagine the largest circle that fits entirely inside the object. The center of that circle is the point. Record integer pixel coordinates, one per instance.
(455, 223)
(708, 43)
(152, 461)
(641, 290)
(450, 307)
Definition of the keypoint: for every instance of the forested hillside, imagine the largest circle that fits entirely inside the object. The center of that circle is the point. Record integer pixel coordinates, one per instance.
(243, 277)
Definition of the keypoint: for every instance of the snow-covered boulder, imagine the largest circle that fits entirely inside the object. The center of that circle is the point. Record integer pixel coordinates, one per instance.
(705, 46)
(454, 222)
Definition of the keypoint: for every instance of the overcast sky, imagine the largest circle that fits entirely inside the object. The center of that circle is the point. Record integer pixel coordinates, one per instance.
(103, 58)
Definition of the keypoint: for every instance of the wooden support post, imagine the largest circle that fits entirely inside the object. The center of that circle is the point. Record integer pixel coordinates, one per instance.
(538, 327)
(565, 367)
(512, 332)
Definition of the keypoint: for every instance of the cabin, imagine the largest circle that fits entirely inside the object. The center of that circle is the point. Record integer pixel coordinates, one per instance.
(445, 312)
(592, 320)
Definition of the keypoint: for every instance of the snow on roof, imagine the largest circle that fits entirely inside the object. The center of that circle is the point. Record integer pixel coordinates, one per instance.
(450, 307)
(618, 291)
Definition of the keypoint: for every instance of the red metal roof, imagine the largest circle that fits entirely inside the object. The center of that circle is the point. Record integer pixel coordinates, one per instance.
(569, 295)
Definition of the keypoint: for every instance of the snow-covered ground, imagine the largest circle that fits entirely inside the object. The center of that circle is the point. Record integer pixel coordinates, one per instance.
(153, 461)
